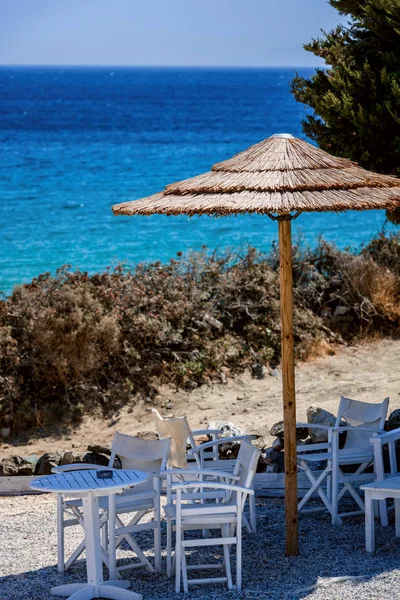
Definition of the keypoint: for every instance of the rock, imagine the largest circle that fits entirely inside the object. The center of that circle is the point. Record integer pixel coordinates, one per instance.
(227, 428)
(213, 322)
(273, 457)
(71, 458)
(189, 386)
(46, 462)
(230, 450)
(319, 416)
(5, 432)
(95, 458)
(277, 444)
(260, 435)
(393, 421)
(16, 465)
(100, 448)
(223, 378)
(277, 431)
(169, 406)
(258, 371)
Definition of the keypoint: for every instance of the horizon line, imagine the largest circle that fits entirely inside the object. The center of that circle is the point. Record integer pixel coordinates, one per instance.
(85, 66)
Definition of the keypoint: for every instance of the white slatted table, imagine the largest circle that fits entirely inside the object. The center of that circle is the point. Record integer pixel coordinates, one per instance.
(86, 485)
(380, 490)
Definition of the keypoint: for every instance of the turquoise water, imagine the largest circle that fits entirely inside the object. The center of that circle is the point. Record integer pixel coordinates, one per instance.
(75, 141)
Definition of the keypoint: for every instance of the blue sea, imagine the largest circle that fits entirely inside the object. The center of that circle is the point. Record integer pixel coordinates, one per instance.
(74, 141)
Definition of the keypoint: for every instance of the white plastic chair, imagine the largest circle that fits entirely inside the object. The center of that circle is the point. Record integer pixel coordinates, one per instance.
(149, 456)
(204, 456)
(209, 505)
(362, 419)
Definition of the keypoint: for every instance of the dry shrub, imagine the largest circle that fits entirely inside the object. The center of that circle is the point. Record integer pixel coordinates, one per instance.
(73, 343)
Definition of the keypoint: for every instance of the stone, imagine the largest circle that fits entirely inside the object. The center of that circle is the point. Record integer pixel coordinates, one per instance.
(71, 458)
(277, 444)
(393, 421)
(100, 448)
(258, 371)
(278, 431)
(273, 457)
(230, 450)
(228, 429)
(16, 465)
(319, 416)
(259, 440)
(5, 432)
(95, 458)
(46, 462)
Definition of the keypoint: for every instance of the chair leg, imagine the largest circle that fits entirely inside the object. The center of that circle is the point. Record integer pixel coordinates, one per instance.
(239, 554)
(369, 524)
(184, 571)
(178, 551)
(157, 532)
(169, 548)
(60, 534)
(253, 513)
(335, 496)
(227, 558)
(397, 515)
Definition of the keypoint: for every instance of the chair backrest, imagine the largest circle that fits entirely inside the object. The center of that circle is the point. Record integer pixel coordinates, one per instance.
(176, 428)
(358, 414)
(149, 456)
(246, 464)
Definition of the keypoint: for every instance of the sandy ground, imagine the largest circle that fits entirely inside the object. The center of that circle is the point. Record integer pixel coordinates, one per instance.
(368, 372)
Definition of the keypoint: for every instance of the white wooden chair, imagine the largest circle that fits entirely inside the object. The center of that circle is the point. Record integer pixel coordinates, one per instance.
(149, 456)
(178, 429)
(362, 420)
(209, 505)
(387, 485)
(203, 456)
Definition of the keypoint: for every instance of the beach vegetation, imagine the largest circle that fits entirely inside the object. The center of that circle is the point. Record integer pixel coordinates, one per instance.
(73, 343)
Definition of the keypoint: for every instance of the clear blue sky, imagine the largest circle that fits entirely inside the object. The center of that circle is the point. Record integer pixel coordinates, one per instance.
(162, 32)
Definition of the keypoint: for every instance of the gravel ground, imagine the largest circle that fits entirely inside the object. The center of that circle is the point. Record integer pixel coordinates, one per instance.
(28, 550)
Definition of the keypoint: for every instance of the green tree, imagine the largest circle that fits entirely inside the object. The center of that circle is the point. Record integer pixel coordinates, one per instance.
(356, 101)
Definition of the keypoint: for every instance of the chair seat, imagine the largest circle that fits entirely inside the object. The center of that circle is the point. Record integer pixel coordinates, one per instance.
(207, 510)
(346, 457)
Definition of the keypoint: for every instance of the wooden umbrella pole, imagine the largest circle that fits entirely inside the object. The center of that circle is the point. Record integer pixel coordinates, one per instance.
(288, 382)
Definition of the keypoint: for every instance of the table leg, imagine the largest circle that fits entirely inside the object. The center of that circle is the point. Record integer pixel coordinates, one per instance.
(95, 587)
(112, 541)
(397, 515)
(369, 523)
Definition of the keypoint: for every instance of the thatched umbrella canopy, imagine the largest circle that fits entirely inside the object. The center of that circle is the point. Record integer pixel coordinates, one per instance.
(281, 177)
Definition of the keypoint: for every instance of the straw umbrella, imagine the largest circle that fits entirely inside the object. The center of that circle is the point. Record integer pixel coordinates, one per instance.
(280, 177)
